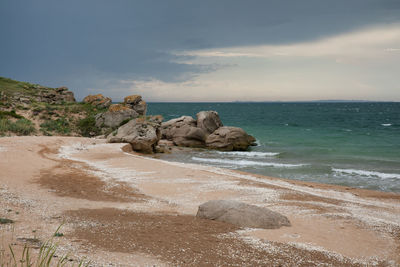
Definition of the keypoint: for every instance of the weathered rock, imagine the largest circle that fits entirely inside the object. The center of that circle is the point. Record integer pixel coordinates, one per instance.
(229, 138)
(25, 100)
(183, 132)
(143, 135)
(68, 96)
(209, 121)
(55, 96)
(167, 126)
(188, 136)
(164, 146)
(98, 100)
(136, 103)
(117, 107)
(132, 99)
(140, 108)
(115, 115)
(242, 214)
(61, 89)
(156, 118)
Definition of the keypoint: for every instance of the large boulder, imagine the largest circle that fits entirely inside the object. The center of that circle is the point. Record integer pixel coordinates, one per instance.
(183, 132)
(98, 100)
(142, 134)
(188, 136)
(209, 121)
(229, 138)
(136, 103)
(115, 115)
(242, 214)
(167, 126)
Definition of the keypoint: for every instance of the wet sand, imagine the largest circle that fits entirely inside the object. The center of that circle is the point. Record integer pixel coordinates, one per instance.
(122, 208)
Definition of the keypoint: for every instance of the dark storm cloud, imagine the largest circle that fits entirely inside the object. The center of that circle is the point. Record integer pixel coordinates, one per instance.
(83, 44)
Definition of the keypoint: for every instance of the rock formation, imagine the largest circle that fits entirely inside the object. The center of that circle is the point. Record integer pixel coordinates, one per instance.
(229, 138)
(242, 214)
(98, 100)
(206, 131)
(209, 121)
(142, 134)
(183, 132)
(133, 107)
(114, 116)
(136, 103)
(53, 96)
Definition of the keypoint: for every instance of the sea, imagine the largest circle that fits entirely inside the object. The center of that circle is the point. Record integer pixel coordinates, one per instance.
(354, 144)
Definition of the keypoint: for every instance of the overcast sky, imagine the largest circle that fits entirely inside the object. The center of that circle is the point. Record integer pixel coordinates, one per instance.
(208, 50)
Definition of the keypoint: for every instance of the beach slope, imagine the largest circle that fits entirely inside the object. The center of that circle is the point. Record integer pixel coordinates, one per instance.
(121, 208)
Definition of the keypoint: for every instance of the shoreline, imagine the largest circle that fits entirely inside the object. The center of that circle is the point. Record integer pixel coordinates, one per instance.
(105, 181)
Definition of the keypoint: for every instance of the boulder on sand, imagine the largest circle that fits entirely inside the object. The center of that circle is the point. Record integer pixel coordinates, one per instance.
(142, 134)
(209, 121)
(242, 214)
(229, 138)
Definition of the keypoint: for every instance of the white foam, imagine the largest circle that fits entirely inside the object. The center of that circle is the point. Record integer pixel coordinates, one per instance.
(386, 124)
(250, 154)
(3, 149)
(247, 163)
(368, 173)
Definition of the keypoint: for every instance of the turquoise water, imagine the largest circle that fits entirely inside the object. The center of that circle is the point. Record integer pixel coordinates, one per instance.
(353, 144)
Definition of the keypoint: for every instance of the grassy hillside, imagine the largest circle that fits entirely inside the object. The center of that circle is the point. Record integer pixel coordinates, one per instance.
(32, 109)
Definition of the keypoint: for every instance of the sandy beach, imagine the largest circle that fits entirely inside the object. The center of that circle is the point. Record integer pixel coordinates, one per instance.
(118, 208)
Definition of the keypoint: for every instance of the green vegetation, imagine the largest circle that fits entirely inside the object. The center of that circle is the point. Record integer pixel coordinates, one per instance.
(5, 114)
(124, 122)
(54, 118)
(5, 221)
(10, 86)
(87, 127)
(45, 257)
(60, 125)
(20, 127)
(58, 234)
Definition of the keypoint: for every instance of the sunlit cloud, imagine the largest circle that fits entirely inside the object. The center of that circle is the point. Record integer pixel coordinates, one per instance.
(366, 43)
(357, 65)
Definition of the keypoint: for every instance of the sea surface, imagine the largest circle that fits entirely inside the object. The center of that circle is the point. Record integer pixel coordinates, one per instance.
(347, 143)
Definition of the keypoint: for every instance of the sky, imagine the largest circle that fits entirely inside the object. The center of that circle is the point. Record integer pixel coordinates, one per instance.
(208, 50)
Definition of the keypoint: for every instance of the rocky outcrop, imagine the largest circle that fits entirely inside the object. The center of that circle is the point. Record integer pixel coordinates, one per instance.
(98, 100)
(132, 107)
(167, 126)
(114, 116)
(242, 214)
(136, 103)
(209, 121)
(183, 132)
(55, 96)
(142, 134)
(229, 138)
(188, 136)
(207, 131)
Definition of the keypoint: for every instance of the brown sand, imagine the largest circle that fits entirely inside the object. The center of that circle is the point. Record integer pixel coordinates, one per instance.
(129, 210)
